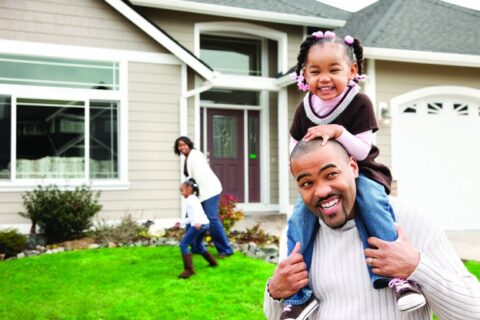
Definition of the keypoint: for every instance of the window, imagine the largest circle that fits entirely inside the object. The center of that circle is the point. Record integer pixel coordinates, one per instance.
(232, 55)
(39, 71)
(63, 133)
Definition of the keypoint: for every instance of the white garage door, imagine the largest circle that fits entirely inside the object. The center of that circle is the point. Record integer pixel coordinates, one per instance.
(436, 158)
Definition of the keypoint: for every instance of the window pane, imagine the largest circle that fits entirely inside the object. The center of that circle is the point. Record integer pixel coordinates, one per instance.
(5, 136)
(227, 96)
(224, 137)
(232, 55)
(39, 71)
(50, 139)
(103, 140)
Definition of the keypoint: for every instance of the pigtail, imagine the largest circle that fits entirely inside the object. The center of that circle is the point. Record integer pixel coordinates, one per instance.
(191, 182)
(358, 52)
(302, 55)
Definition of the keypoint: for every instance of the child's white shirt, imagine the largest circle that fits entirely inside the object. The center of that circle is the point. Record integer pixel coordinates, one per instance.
(194, 211)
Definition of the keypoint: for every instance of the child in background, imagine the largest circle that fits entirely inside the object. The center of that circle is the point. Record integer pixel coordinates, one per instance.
(196, 222)
(329, 68)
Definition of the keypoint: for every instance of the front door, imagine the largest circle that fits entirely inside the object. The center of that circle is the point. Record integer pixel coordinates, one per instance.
(225, 149)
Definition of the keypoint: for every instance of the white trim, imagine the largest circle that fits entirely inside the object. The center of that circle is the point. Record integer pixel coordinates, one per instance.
(283, 139)
(395, 103)
(183, 112)
(264, 127)
(84, 53)
(161, 38)
(248, 29)
(244, 82)
(257, 207)
(246, 172)
(240, 13)
(426, 57)
(370, 88)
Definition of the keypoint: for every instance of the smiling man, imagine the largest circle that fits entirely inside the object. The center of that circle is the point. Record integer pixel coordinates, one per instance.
(325, 175)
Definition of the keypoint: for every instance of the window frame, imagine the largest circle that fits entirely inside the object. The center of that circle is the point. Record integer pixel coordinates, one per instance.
(58, 93)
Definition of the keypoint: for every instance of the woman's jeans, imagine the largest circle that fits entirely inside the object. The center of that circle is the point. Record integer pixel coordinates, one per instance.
(374, 218)
(217, 232)
(194, 239)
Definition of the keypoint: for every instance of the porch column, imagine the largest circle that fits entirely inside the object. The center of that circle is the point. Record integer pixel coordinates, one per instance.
(283, 141)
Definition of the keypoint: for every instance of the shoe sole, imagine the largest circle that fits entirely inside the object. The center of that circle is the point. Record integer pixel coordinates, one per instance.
(411, 302)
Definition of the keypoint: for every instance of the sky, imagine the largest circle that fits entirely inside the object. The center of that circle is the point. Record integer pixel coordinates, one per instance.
(355, 5)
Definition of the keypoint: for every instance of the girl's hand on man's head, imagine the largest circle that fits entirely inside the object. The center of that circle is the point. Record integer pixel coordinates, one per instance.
(324, 131)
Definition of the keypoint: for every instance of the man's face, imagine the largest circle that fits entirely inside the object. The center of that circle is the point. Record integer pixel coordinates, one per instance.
(326, 181)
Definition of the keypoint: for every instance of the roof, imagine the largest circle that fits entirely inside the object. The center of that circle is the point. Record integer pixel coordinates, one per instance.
(417, 25)
(125, 8)
(298, 12)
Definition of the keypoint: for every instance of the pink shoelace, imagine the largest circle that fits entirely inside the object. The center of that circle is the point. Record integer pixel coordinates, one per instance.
(398, 283)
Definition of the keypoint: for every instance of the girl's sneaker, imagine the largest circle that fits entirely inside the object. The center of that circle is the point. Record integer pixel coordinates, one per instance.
(300, 311)
(409, 297)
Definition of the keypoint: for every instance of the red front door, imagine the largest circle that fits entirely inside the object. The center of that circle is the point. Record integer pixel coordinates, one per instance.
(225, 149)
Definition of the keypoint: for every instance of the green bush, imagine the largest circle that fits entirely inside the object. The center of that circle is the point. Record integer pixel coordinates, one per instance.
(11, 242)
(127, 231)
(61, 215)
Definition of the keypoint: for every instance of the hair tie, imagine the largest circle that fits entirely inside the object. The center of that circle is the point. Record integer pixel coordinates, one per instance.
(361, 77)
(300, 81)
(318, 34)
(348, 40)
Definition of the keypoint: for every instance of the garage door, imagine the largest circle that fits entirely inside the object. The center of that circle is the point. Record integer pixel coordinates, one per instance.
(436, 158)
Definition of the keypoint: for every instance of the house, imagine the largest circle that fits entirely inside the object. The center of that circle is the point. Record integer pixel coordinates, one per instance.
(116, 82)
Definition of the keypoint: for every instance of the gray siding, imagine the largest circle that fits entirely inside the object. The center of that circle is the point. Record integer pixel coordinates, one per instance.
(273, 132)
(71, 22)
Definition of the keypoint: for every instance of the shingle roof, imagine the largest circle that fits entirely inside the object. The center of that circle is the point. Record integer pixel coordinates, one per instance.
(310, 8)
(419, 25)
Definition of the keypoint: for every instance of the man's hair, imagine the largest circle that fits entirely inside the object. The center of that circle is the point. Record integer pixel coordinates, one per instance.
(305, 147)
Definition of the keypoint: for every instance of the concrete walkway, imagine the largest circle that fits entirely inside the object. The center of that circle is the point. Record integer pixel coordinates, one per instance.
(466, 243)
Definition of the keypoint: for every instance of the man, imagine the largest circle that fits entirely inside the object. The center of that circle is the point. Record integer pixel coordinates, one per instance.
(325, 175)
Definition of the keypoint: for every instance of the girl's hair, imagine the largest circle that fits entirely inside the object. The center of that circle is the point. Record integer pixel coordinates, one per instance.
(192, 183)
(186, 140)
(353, 52)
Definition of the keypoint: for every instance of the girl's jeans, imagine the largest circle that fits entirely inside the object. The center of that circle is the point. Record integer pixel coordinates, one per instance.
(374, 218)
(194, 239)
(219, 237)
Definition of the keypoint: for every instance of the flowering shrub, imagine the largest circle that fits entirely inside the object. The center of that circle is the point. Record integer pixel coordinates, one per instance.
(228, 212)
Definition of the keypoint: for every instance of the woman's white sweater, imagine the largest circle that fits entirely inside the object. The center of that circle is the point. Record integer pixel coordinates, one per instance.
(341, 283)
(199, 169)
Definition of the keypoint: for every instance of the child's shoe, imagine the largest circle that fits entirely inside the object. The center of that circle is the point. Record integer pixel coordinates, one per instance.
(409, 296)
(300, 311)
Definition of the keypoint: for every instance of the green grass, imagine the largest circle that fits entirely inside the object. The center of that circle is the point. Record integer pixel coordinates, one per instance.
(130, 283)
(134, 283)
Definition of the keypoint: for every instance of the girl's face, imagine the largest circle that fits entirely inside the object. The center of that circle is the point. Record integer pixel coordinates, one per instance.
(328, 70)
(183, 148)
(186, 190)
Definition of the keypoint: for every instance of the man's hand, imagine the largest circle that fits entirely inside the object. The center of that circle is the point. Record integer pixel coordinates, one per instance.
(290, 276)
(326, 131)
(397, 259)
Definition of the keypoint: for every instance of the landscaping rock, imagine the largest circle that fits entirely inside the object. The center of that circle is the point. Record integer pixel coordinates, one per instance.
(78, 244)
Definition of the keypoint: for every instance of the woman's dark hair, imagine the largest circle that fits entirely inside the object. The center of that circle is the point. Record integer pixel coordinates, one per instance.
(192, 183)
(186, 140)
(353, 52)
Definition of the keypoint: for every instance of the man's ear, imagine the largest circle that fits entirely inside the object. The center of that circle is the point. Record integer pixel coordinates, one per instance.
(354, 165)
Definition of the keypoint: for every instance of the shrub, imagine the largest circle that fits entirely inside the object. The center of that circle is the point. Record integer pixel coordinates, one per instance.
(176, 232)
(255, 234)
(228, 212)
(61, 215)
(127, 231)
(11, 242)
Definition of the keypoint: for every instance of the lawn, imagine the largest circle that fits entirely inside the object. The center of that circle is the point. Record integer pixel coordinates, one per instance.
(134, 283)
(130, 283)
